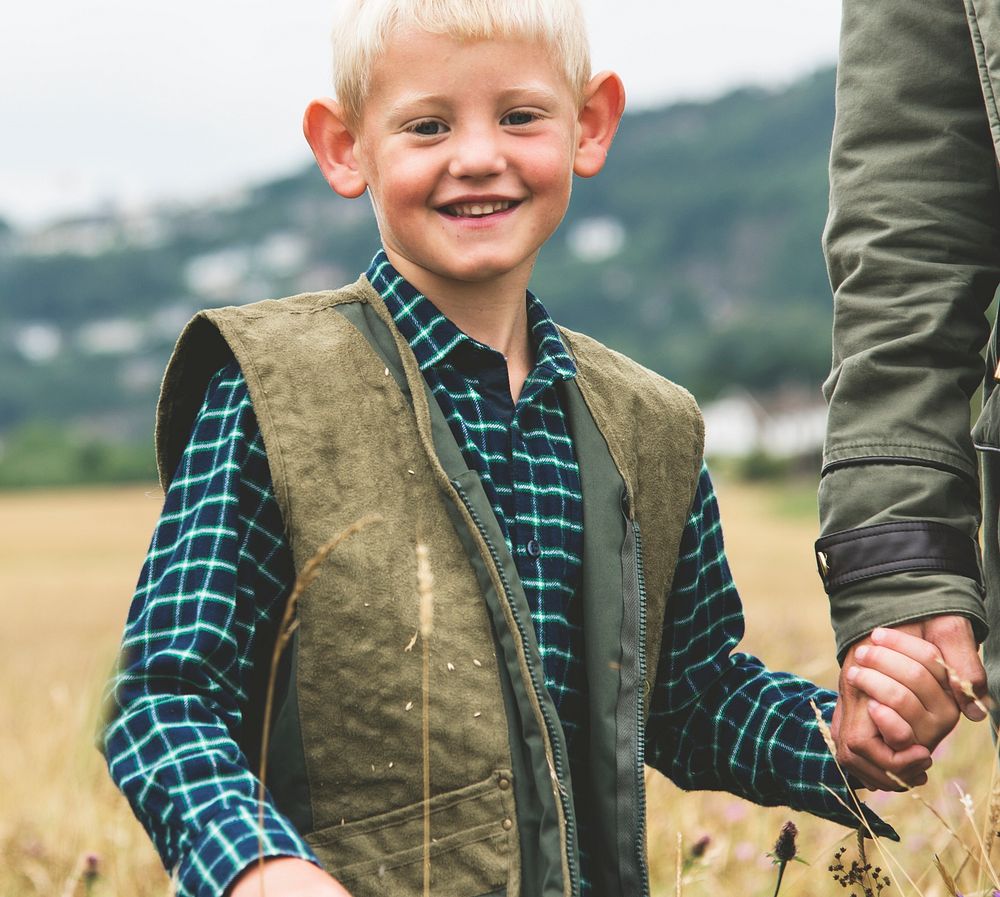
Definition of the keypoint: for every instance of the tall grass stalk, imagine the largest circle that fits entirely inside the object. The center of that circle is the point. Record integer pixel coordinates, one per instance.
(966, 802)
(680, 864)
(286, 629)
(933, 810)
(87, 872)
(992, 811)
(425, 591)
(985, 841)
(62, 582)
(887, 856)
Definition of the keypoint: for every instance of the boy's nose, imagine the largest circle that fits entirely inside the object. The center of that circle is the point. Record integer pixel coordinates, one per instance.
(476, 154)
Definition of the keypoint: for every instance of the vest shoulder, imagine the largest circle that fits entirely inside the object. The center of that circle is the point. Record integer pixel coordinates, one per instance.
(289, 333)
(652, 427)
(288, 313)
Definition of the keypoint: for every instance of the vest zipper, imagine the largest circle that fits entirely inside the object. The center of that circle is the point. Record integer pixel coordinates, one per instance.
(632, 783)
(640, 753)
(557, 759)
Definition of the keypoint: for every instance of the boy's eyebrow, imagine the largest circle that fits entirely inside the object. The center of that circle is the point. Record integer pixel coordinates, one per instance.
(537, 93)
(408, 103)
(522, 93)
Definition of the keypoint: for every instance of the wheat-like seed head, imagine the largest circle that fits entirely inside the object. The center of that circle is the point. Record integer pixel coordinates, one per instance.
(824, 729)
(679, 867)
(425, 589)
(966, 687)
(992, 814)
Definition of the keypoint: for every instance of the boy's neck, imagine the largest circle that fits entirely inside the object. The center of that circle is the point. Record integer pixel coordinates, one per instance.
(495, 313)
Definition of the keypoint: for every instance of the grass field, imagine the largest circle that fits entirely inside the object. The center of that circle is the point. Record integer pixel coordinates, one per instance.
(68, 562)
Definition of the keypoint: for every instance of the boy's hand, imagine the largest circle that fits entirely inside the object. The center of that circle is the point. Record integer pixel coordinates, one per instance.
(910, 695)
(909, 689)
(285, 877)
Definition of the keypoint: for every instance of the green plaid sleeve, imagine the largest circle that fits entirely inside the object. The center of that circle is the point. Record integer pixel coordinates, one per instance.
(194, 655)
(720, 720)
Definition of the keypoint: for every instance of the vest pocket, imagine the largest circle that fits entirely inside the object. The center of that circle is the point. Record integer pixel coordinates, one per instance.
(473, 842)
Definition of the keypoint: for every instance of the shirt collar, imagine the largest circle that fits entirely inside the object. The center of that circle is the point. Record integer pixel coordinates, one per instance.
(433, 337)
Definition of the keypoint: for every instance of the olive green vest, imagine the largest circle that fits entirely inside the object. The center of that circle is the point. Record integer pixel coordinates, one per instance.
(350, 428)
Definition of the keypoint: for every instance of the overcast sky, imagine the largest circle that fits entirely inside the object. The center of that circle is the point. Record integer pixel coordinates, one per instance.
(109, 101)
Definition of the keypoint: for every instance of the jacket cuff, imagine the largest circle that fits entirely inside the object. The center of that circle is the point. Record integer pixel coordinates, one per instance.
(895, 547)
(891, 600)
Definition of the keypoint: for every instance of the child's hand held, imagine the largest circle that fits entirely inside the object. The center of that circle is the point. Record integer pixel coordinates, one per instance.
(910, 696)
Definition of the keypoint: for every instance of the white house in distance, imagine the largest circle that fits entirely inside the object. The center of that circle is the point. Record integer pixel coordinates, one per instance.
(789, 423)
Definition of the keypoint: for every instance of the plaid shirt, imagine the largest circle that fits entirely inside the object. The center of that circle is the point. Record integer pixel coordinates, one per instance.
(219, 569)
(523, 455)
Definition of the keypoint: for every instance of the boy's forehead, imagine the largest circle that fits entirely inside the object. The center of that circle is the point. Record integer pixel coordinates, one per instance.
(444, 47)
(424, 67)
(370, 32)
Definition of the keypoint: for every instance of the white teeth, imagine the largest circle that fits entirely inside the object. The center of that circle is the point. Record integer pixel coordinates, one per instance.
(478, 210)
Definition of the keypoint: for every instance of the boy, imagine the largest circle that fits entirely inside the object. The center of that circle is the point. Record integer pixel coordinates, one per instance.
(558, 486)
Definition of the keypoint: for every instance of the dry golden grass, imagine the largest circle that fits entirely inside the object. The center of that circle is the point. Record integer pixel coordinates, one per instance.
(68, 562)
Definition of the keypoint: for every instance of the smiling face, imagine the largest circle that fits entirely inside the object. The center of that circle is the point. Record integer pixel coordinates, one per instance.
(468, 150)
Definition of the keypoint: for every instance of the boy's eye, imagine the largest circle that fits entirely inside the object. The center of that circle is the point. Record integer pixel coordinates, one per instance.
(428, 128)
(519, 117)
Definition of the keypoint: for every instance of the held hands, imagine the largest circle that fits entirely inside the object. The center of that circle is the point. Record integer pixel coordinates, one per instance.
(898, 701)
(285, 877)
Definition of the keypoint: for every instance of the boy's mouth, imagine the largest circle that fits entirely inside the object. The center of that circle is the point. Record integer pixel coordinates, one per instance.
(478, 209)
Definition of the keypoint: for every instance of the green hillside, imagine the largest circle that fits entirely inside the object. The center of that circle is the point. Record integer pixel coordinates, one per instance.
(696, 251)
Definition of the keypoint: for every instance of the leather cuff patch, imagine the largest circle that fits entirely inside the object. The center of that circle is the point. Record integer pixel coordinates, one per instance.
(869, 551)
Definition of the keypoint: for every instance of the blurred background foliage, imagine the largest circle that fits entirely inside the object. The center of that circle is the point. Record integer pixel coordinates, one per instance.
(696, 251)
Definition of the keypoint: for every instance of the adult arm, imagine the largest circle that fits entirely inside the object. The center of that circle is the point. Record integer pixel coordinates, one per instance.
(198, 636)
(912, 245)
(720, 720)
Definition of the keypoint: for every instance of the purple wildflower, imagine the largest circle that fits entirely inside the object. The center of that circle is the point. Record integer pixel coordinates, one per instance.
(784, 851)
(784, 847)
(700, 846)
(91, 871)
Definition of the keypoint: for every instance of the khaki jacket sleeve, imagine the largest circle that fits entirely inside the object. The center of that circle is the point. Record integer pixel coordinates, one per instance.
(912, 245)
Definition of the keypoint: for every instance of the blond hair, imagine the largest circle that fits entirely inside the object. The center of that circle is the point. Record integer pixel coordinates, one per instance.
(365, 26)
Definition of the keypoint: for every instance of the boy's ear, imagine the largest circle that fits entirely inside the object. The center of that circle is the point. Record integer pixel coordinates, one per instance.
(333, 143)
(603, 105)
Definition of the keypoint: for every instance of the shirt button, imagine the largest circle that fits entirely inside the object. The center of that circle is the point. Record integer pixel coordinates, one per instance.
(534, 548)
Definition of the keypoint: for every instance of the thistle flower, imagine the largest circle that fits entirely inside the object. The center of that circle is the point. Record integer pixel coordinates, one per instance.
(784, 851)
(784, 847)
(694, 854)
(91, 871)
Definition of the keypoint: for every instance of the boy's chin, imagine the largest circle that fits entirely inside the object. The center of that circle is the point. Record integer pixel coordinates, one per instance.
(484, 276)
(471, 271)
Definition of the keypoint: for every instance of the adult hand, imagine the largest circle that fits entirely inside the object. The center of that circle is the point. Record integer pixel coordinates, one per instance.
(285, 877)
(861, 749)
(954, 639)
